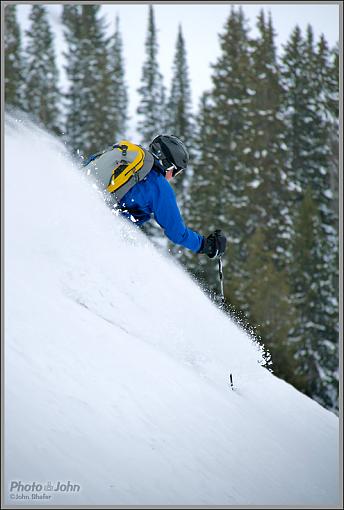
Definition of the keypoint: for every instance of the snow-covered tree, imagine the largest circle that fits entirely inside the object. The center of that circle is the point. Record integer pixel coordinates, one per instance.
(88, 69)
(316, 332)
(314, 271)
(14, 65)
(219, 182)
(179, 107)
(118, 100)
(71, 19)
(265, 173)
(42, 94)
(264, 154)
(327, 80)
(151, 110)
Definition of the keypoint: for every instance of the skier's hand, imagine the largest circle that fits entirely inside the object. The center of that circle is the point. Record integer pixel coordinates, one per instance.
(214, 245)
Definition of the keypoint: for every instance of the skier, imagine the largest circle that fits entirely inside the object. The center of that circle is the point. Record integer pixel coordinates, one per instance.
(152, 194)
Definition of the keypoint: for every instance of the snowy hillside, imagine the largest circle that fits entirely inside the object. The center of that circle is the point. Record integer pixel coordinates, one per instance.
(117, 365)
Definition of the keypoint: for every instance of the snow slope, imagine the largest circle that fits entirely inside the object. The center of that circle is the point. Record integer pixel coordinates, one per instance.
(117, 365)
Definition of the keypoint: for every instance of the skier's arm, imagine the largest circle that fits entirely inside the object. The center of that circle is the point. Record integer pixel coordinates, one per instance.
(167, 215)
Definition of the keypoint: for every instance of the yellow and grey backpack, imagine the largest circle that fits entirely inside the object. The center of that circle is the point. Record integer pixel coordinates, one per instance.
(120, 167)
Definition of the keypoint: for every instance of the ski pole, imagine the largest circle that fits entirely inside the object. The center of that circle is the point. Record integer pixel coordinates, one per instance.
(222, 303)
(221, 281)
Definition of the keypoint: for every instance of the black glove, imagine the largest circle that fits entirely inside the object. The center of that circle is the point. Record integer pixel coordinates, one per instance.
(214, 245)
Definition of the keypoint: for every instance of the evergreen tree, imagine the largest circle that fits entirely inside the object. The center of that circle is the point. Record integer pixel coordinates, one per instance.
(71, 19)
(262, 162)
(296, 107)
(326, 83)
(266, 290)
(218, 188)
(316, 333)
(179, 106)
(327, 76)
(263, 140)
(118, 100)
(14, 65)
(307, 114)
(89, 114)
(333, 110)
(334, 134)
(151, 110)
(265, 148)
(306, 73)
(41, 92)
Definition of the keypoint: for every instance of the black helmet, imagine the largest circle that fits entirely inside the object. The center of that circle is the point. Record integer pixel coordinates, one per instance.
(171, 151)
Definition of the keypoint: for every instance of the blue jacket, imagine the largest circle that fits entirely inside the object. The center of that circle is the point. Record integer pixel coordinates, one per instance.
(154, 195)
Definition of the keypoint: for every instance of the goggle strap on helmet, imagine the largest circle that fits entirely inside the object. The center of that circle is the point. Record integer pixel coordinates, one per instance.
(168, 156)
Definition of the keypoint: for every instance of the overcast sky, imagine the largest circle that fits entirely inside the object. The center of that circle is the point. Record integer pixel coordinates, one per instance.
(201, 24)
